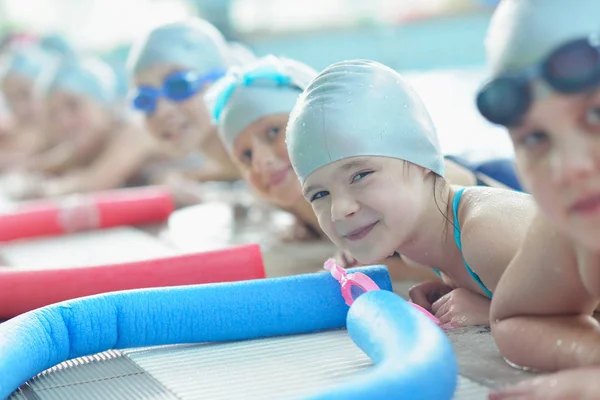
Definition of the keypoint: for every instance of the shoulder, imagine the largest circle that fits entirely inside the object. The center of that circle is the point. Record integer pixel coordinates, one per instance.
(493, 225)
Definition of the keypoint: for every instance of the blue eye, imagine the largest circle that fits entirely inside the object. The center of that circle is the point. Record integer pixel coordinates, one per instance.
(360, 175)
(273, 132)
(319, 195)
(533, 139)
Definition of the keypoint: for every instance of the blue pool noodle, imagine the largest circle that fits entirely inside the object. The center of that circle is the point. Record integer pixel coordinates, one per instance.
(413, 357)
(40, 339)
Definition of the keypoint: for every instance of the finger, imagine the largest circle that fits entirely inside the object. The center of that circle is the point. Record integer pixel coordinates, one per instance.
(441, 305)
(445, 319)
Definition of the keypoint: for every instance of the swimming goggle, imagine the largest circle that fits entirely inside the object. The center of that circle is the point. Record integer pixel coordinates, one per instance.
(355, 284)
(247, 79)
(177, 86)
(572, 68)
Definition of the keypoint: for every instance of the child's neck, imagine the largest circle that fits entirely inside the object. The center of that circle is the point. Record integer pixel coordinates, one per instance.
(433, 242)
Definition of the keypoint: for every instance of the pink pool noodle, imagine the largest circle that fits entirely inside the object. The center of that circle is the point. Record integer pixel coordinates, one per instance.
(26, 290)
(86, 212)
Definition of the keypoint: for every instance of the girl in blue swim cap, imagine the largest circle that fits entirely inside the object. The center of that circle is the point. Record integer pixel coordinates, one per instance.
(22, 70)
(367, 155)
(99, 148)
(545, 61)
(172, 67)
(251, 107)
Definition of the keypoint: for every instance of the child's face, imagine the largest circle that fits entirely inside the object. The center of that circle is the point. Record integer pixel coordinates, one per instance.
(261, 155)
(557, 149)
(369, 206)
(75, 117)
(20, 97)
(182, 126)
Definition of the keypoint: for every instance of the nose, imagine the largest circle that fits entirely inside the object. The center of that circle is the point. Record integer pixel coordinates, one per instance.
(574, 159)
(164, 109)
(263, 157)
(342, 207)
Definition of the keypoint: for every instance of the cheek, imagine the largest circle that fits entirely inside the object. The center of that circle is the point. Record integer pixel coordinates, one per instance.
(195, 110)
(253, 178)
(153, 125)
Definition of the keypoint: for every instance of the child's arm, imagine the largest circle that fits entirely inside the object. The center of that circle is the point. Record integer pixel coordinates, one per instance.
(119, 162)
(541, 312)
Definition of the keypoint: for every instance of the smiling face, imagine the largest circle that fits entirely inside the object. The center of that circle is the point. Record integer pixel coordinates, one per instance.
(557, 148)
(369, 206)
(181, 126)
(260, 153)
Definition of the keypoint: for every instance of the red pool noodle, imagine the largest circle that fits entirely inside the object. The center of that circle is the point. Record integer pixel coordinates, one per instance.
(26, 290)
(93, 211)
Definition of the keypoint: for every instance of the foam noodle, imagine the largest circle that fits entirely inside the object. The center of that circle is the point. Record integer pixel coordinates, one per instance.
(414, 358)
(26, 290)
(40, 339)
(86, 212)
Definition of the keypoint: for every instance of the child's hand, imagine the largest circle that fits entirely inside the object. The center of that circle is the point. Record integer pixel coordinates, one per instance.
(462, 307)
(426, 293)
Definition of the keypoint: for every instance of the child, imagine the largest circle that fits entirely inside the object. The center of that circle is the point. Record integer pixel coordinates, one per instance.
(99, 149)
(22, 71)
(368, 159)
(172, 67)
(544, 57)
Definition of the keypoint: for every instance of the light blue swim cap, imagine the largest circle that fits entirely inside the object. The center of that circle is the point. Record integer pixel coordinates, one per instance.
(57, 44)
(360, 108)
(267, 86)
(523, 32)
(31, 62)
(85, 76)
(194, 44)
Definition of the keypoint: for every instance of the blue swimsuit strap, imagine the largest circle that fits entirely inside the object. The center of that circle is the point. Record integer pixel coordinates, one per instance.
(455, 204)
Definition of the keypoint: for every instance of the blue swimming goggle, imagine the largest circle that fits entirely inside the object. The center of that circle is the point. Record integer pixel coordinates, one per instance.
(572, 68)
(246, 80)
(177, 86)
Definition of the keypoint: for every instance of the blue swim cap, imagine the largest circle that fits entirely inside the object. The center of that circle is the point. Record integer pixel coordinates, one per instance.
(30, 62)
(360, 108)
(86, 76)
(523, 32)
(194, 44)
(57, 44)
(268, 86)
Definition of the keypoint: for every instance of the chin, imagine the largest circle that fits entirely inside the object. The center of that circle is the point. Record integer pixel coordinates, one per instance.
(369, 258)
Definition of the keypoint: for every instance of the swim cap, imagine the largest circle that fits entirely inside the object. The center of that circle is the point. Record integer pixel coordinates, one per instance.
(194, 44)
(268, 86)
(57, 44)
(522, 32)
(360, 108)
(86, 76)
(30, 62)
(240, 54)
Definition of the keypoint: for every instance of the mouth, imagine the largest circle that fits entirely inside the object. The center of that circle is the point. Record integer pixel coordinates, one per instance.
(174, 132)
(360, 233)
(587, 204)
(279, 177)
